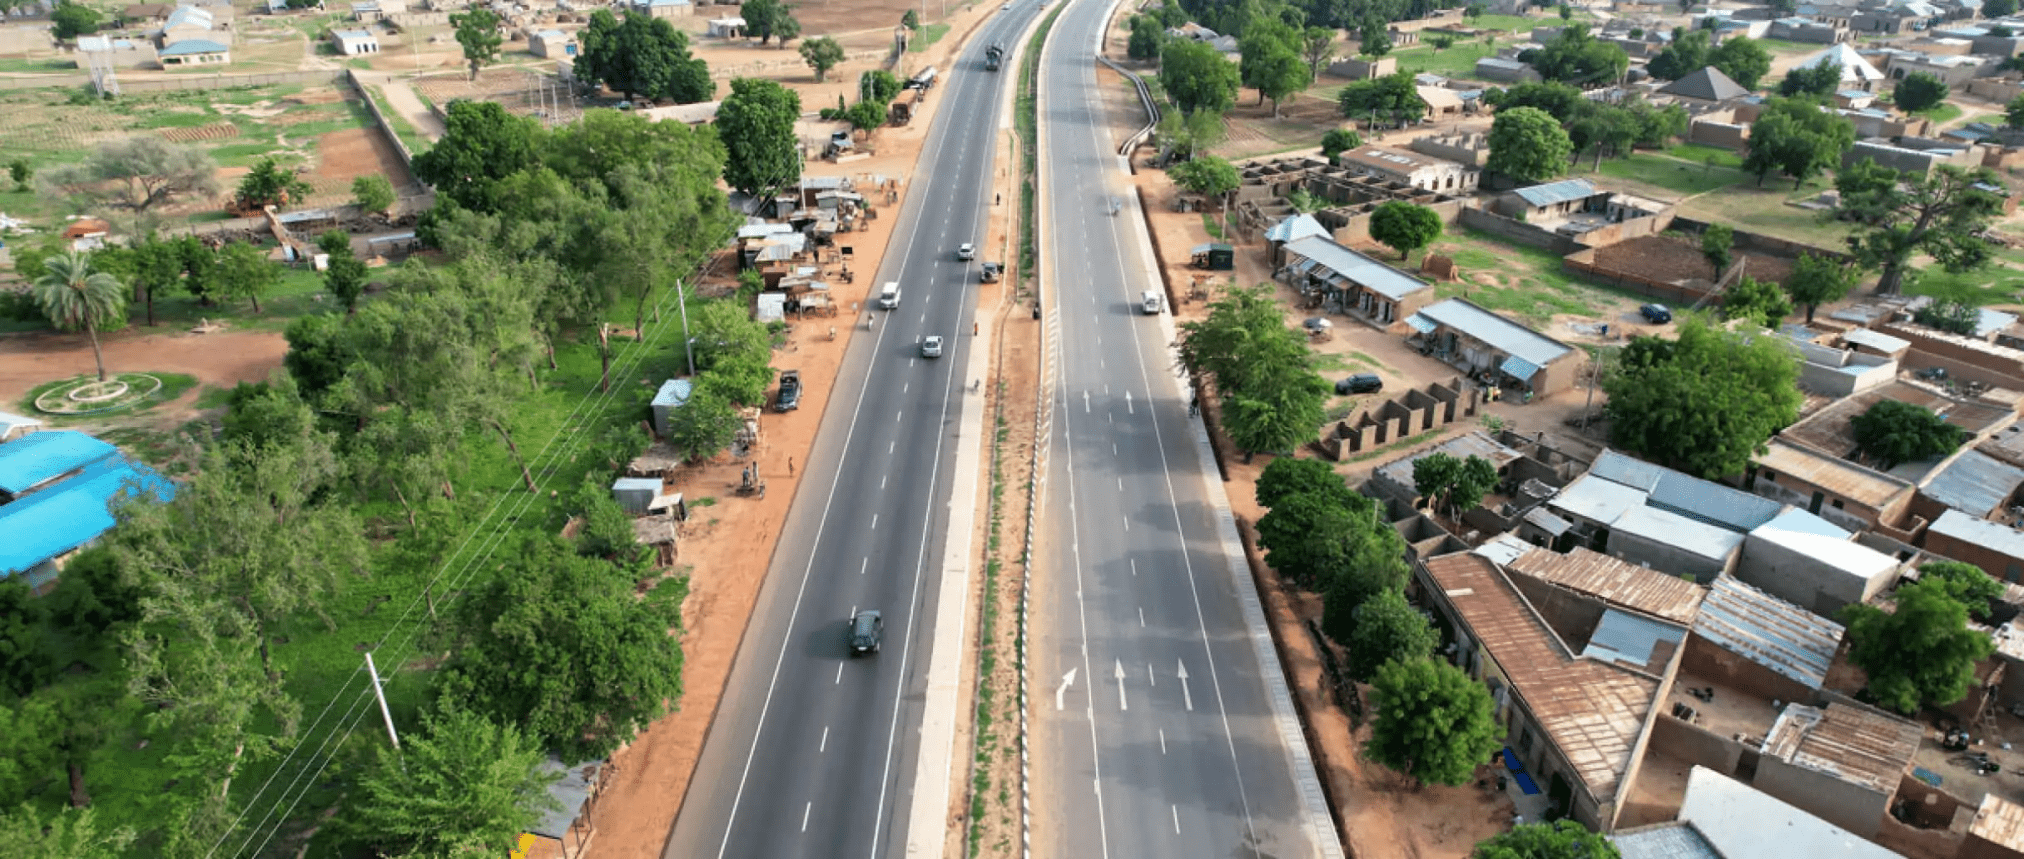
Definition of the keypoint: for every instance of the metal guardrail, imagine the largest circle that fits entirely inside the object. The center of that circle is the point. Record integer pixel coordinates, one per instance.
(1145, 98)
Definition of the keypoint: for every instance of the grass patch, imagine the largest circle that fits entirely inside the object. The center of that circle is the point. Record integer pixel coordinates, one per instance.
(1704, 155)
(1943, 113)
(1214, 224)
(1993, 284)
(926, 37)
(1520, 281)
(178, 119)
(1459, 60)
(243, 154)
(1675, 175)
(214, 397)
(173, 385)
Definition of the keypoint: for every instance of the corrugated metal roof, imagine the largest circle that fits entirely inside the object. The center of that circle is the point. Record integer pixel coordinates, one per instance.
(1557, 192)
(1596, 500)
(1999, 821)
(1299, 226)
(10, 422)
(34, 458)
(1675, 840)
(1356, 268)
(1518, 368)
(190, 15)
(1592, 711)
(189, 47)
(1975, 483)
(1617, 582)
(1989, 535)
(1855, 745)
(1692, 497)
(1768, 631)
(1422, 324)
(1836, 476)
(1679, 532)
(72, 512)
(1630, 639)
(1876, 340)
(1503, 334)
(1742, 822)
(1546, 521)
(570, 792)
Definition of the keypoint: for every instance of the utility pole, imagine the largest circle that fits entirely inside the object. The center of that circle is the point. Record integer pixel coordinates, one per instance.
(688, 345)
(381, 694)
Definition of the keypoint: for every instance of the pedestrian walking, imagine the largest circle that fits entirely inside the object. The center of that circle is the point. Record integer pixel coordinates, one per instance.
(1194, 405)
(790, 466)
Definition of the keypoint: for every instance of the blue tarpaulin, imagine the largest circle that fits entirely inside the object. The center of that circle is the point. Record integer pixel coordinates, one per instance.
(1525, 783)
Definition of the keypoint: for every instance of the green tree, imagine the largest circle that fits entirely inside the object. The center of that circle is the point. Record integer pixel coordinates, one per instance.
(1453, 484)
(1922, 653)
(1374, 39)
(1998, 8)
(1563, 101)
(1953, 317)
(1687, 53)
(1899, 215)
(345, 279)
(95, 595)
(1704, 403)
(25, 661)
(1577, 57)
(242, 271)
(1919, 91)
(561, 645)
(1394, 97)
(1798, 138)
(269, 185)
(1561, 839)
(1271, 396)
(461, 786)
(1967, 584)
(1528, 145)
(1716, 243)
(866, 115)
(72, 834)
(756, 123)
(2013, 113)
(1207, 175)
(1759, 301)
(72, 295)
(1181, 135)
(1338, 141)
(1817, 81)
(821, 54)
(1388, 629)
(134, 174)
(1474, 11)
(1281, 73)
(71, 20)
(1196, 76)
(880, 86)
(1405, 227)
(1441, 41)
(1317, 48)
(910, 20)
(1566, 11)
(482, 144)
(477, 32)
(1817, 280)
(1288, 476)
(642, 55)
(704, 425)
(267, 413)
(1434, 724)
(762, 18)
(1891, 432)
(1743, 59)
(373, 193)
(1147, 37)
(19, 171)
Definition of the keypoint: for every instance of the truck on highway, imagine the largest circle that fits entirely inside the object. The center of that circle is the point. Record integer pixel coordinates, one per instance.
(994, 56)
(790, 391)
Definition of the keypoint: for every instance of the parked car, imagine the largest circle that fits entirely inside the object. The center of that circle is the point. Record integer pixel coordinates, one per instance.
(1361, 383)
(867, 629)
(931, 346)
(1656, 314)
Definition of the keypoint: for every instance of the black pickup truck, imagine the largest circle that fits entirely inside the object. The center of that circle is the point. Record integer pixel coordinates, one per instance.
(790, 391)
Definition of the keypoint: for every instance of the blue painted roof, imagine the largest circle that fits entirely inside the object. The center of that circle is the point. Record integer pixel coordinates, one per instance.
(189, 47)
(40, 456)
(1557, 192)
(71, 513)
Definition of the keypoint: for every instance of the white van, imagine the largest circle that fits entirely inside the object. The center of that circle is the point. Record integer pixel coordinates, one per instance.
(1150, 302)
(889, 295)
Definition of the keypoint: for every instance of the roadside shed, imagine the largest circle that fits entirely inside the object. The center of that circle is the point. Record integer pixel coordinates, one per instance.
(674, 394)
(1483, 343)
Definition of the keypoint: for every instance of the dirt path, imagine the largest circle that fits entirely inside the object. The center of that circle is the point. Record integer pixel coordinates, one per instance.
(401, 97)
(220, 359)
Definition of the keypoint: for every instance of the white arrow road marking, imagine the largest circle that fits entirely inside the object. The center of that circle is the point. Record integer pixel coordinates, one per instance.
(1067, 680)
(1150, 679)
(1127, 404)
(1121, 705)
(1085, 402)
(1185, 697)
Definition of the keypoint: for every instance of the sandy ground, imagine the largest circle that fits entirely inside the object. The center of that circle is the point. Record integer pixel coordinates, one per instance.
(220, 359)
(648, 779)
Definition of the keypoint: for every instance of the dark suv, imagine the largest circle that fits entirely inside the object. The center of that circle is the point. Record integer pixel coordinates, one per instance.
(1656, 314)
(1361, 383)
(866, 631)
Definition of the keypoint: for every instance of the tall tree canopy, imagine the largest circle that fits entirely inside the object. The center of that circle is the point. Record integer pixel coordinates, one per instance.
(1207, 175)
(461, 786)
(1817, 81)
(1891, 432)
(269, 185)
(1578, 57)
(1434, 723)
(756, 124)
(1528, 145)
(821, 54)
(1196, 76)
(478, 34)
(642, 55)
(1919, 91)
(1798, 138)
(1263, 371)
(1704, 403)
(1560, 839)
(73, 295)
(1759, 301)
(1388, 629)
(1405, 227)
(1392, 98)
(481, 145)
(1817, 280)
(1966, 584)
(1922, 653)
(1743, 59)
(1898, 215)
(1454, 484)
(134, 174)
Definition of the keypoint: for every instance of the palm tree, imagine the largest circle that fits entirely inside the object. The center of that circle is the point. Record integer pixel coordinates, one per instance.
(73, 296)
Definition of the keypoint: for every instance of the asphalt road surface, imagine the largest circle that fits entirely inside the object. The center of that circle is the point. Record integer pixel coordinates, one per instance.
(1153, 730)
(812, 751)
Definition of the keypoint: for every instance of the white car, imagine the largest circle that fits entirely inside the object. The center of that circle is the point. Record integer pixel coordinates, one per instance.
(931, 347)
(966, 252)
(1005, 7)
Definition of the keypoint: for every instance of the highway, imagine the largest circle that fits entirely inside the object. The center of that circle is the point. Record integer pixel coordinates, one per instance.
(1155, 729)
(812, 752)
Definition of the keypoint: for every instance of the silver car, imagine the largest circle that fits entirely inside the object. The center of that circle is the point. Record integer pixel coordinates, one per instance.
(931, 347)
